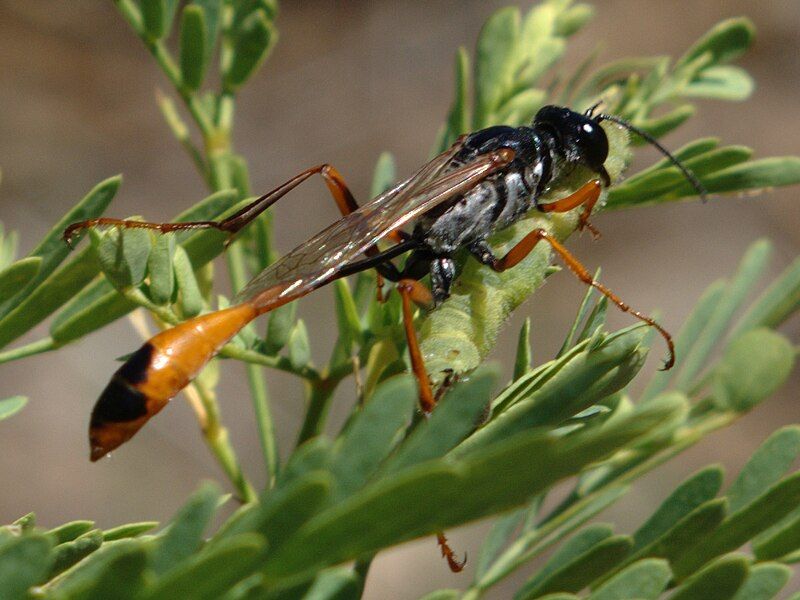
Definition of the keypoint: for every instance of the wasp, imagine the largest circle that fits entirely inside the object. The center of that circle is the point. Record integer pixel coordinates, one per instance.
(484, 182)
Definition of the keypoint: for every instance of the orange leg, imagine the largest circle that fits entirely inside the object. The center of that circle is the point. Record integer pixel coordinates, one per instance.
(523, 248)
(455, 565)
(411, 290)
(333, 180)
(587, 196)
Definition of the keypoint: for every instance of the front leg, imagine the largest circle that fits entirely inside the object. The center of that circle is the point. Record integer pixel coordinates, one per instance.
(443, 271)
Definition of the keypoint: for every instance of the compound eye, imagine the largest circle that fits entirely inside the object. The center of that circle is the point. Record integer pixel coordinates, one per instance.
(593, 144)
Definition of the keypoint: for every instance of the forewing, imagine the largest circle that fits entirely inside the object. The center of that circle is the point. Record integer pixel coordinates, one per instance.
(318, 260)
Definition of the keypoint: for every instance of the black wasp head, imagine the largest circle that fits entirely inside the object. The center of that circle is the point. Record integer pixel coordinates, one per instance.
(582, 138)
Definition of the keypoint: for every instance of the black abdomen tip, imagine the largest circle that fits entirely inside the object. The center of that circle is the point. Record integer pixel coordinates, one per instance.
(119, 402)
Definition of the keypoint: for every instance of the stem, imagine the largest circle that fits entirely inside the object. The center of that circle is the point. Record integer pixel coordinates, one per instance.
(37, 347)
(130, 13)
(318, 406)
(218, 440)
(280, 363)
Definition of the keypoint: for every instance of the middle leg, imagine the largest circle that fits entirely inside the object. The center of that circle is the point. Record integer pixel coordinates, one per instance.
(484, 254)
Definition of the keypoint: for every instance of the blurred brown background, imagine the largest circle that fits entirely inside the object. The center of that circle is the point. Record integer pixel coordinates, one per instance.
(347, 80)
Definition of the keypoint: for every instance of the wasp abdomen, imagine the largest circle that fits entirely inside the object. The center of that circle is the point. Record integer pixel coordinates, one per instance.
(156, 372)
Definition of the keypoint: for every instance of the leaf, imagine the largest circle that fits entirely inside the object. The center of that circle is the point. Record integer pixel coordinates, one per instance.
(159, 267)
(347, 315)
(279, 327)
(724, 42)
(442, 595)
(127, 569)
(568, 553)
(69, 531)
(122, 254)
(499, 536)
(455, 417)
(775, 171)
(455, 492)
(765, 467)
(191, 299)
(534, 540)
(282, 511)
(696, 490)
(767, 509)
(583, 310)
(718, 581)
(574, 575)
(689, 334)
(69, 553)
(52, 286)
(385, 174)
(585, 379)
(77, 581)
(779, 541)
(643, 580)
(184, 535)
(211, 17)
(128, 531)
(459, 118)
(207, 575)
(193, 52)
(17, 275)
(252, 45)
(335, 584)
(99, 304)
(660, 126)
(780, 300)
(522, 362)
(750, 269)
(298, 345)
(498, 43)
(24, 562)
(11, 406)
(372, 434)
(764, 582)
(721, 83)
(684, 534)
(755, 365)
(154, 18)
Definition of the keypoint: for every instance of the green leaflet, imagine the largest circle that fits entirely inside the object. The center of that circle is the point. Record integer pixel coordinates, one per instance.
(455, 417)
(17, 275)
(206, 575)
(765, 510)
(768, 464)
(718, 581)
(69, 553)
(254, 40)
(575, 564)
(697, 489)
(371, 435)
(128, 530)
(24, 562)
(193, 41)
(582, 571)
(764, 582)
(52, 286)
(69, 531)
(755, 366)
(645, 579)
(11, 406)
(184, 535)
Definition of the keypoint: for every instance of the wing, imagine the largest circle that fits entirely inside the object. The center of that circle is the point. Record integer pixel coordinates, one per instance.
(318, 260)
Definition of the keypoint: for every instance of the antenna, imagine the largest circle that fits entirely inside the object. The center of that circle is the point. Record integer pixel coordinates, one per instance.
(691, 177)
